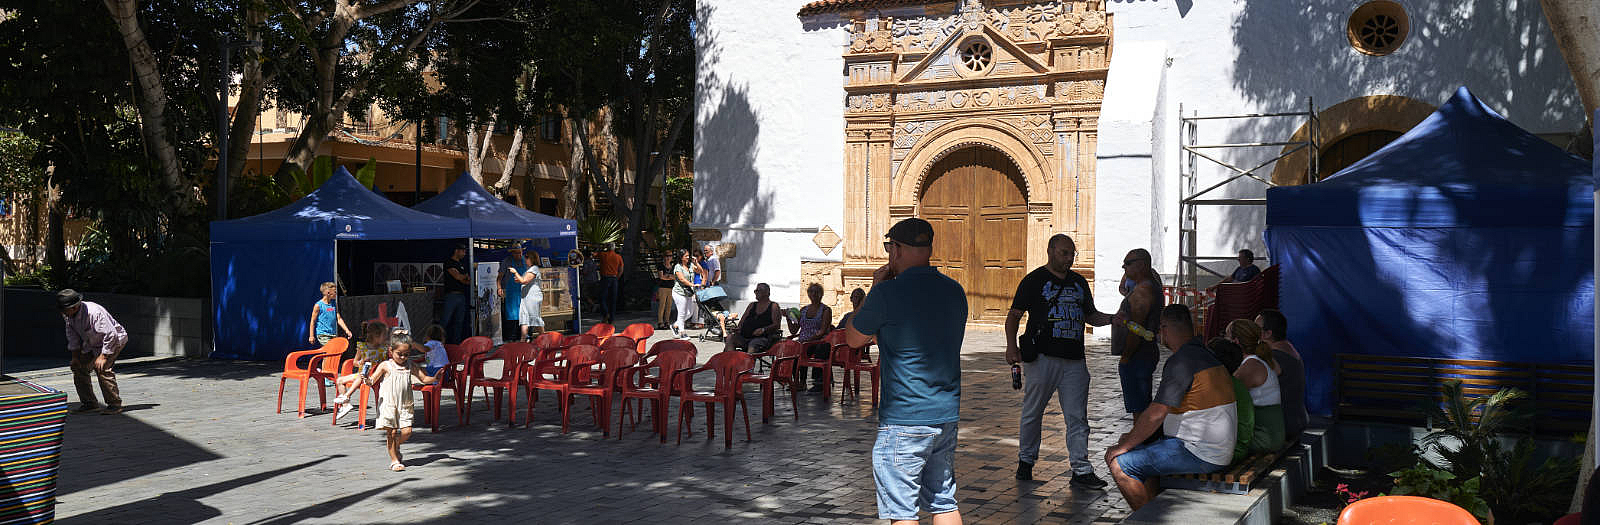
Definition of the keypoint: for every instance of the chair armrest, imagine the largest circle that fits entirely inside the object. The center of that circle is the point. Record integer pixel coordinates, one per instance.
(629, 375)
(683, 378)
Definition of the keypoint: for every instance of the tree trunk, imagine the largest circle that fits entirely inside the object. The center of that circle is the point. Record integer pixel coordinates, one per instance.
(242, 133)
(55, 238)
(152, 98)
(502, 184)
(1576, 24)
(476, 153)
(644, 178)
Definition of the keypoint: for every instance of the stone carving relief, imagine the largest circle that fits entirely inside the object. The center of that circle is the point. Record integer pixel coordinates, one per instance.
(1023, 24)
(1080, 91)
(970, 98)
(1080, 24)
(869, 103)
(871, 73)
(1039, 129)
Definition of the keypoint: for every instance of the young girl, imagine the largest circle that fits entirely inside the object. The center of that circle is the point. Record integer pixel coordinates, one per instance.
(437, 357)
(394, 378)
(368, 353)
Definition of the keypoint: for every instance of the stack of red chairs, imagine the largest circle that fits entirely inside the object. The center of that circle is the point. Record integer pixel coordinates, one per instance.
(322, 363)
(1241, 301)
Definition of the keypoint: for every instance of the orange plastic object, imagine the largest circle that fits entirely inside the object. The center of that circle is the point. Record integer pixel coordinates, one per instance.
(1405, 510)
(552, 371)
(619, 341)
(784, 354)
(320, 364)
(602, 385)
(602, 331)
(514, 357)
(639, 332)
(631, 384)
(730, 368)
(349, 367)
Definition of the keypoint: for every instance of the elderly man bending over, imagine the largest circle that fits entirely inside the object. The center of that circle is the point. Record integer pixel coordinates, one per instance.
(1195, 405)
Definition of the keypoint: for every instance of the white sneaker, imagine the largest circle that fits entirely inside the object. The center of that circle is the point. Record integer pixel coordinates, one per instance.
(342, 411)
(343, 399)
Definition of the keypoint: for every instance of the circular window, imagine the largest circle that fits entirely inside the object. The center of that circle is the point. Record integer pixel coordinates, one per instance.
(976, 55)
(1378, 27)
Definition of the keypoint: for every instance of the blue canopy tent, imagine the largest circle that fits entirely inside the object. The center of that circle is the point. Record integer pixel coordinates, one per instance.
(1465, 238)
(265, 269)
(489, 217)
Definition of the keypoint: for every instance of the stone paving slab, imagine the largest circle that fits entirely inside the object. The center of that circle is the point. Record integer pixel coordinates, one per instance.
(200, 442)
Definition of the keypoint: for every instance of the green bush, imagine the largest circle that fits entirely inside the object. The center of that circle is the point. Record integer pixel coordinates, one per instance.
(1428, 482)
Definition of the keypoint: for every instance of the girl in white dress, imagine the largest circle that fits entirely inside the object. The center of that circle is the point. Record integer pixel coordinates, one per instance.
(394, 378)
(532, 297)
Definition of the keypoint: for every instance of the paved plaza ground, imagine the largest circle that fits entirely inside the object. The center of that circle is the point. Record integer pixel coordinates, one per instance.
(200, 442)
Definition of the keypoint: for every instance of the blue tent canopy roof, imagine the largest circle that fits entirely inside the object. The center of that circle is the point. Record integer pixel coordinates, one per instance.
(341, 209)
(489, 217)
(1464, 165)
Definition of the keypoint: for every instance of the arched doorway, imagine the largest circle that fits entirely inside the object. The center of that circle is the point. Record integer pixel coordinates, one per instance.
(974, 200)
(1348, 150)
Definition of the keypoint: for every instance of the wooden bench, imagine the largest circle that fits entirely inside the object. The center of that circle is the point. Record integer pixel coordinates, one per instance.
(1403, 389)
(1235, 479)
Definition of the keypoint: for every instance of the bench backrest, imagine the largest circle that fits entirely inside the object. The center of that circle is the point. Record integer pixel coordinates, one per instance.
(1398, 388)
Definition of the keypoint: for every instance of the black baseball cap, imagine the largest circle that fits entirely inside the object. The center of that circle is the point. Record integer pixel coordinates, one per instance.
(912, 232)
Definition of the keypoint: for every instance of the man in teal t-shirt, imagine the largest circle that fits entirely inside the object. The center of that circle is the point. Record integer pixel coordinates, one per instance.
(511, 293)
(917, 317)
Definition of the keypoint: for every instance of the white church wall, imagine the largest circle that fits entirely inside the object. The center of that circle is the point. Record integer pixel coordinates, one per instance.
(1127, 190)
(769, 143)
(1234, 57)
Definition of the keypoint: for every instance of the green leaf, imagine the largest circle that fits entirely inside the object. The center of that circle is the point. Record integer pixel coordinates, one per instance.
(321, 170)
(368, 174)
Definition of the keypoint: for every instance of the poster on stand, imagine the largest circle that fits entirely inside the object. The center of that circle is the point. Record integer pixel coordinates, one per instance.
(487, 314)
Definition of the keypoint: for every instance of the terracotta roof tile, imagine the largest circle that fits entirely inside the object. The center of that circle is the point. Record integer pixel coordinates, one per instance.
(830, 6)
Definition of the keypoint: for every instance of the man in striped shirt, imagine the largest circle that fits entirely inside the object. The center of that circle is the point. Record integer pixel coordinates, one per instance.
(1194, 407)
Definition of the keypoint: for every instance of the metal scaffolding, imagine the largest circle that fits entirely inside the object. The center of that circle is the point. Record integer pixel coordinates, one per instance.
(1191, 198)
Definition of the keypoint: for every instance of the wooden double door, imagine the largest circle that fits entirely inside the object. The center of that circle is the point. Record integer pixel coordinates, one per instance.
(975, 202)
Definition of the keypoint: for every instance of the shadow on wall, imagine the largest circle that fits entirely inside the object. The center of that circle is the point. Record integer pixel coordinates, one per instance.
(727, 183)
(1518, 70)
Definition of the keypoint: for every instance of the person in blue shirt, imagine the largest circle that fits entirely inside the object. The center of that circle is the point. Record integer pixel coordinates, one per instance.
(917, 317)
(1247, 269)
(326, 323)
(513, 265)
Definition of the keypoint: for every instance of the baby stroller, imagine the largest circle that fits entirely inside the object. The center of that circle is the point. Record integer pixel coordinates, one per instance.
(713, 302)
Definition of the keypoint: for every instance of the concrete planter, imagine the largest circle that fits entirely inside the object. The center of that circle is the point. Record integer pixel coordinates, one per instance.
(157, 326)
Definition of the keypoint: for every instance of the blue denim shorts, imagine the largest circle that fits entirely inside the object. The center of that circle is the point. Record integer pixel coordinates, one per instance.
(1162, 458)
(914, 467)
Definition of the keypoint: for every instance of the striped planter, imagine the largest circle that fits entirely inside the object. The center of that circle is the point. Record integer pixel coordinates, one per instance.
(31, 420)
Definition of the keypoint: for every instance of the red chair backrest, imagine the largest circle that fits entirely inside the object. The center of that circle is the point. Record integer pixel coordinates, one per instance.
(548, 340)
(1405, 510)
(673, 344)
(671, 360)
(619, 341)
(601, 330)
(580, 356)
(615, 359)
(332, 351)
(477, 344)
(580, 339)
(639, 331)
(729, 366)
(785, 348)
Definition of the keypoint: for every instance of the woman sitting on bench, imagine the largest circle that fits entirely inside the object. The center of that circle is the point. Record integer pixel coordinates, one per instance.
(1259, 372)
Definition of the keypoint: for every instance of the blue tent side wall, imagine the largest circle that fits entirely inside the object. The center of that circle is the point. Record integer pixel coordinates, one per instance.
(262, 292)
(1505, 294)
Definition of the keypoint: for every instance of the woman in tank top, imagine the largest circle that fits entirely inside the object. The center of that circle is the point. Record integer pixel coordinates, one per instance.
(1259, 372)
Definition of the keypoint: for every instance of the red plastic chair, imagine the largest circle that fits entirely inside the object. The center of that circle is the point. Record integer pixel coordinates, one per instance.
(548, 340)
(825, 364)
(784, 355)
(639, 332)
(1405, 510)
(602, 331)
(630, 384)
(620, 341)
(664, 345)
(855, 361)
(321, 363)
(603, 385)
(556, 374)
(514, 357)
(349, 367)
(730, 369)
(460, 358)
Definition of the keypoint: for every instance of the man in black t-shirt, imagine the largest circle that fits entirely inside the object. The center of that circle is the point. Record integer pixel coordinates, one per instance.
(457, 279)
(1058, 304)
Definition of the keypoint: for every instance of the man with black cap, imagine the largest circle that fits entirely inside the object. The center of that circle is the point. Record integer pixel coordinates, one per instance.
(917, 316)
(94, 339)
(1058, 304)
(457, 279)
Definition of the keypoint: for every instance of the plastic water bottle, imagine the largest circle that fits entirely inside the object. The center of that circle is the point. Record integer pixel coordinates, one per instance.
(1142, 332)
(1016, 377)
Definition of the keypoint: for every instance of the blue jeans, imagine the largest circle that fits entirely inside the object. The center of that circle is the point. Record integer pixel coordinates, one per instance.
(608, 297)
(1138, 380)
(1162, 458)
(454, 317)
(914, 467)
